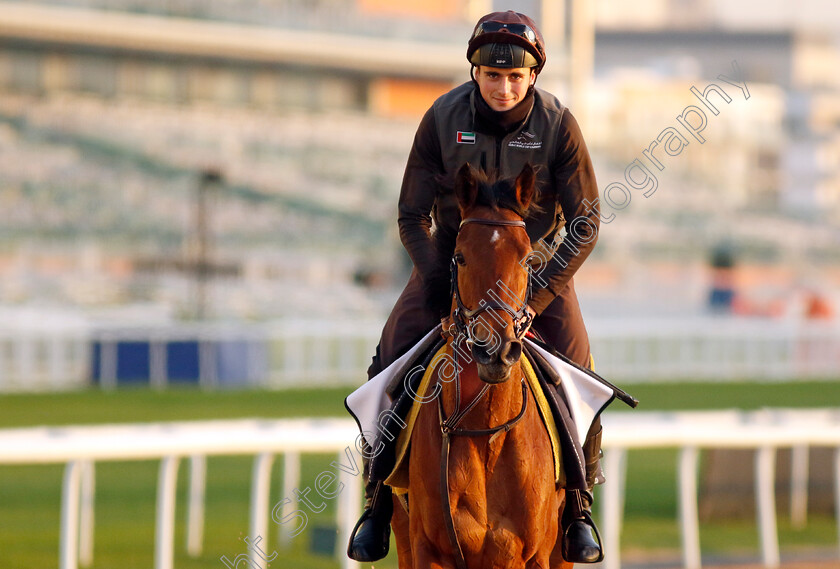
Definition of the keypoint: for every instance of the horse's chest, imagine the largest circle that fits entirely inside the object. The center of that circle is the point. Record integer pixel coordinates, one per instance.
(505, 508)
(501, 491)
(502, 467)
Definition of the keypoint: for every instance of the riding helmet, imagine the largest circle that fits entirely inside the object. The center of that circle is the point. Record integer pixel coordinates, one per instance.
(507, 40)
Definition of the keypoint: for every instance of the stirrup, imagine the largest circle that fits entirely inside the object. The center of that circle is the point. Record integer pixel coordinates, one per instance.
(381, 552)
(586, 518)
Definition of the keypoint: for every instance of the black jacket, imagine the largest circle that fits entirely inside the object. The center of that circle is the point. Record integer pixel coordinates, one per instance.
(549, 138)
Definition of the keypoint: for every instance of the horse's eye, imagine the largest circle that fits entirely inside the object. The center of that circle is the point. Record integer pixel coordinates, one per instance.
(459, 258)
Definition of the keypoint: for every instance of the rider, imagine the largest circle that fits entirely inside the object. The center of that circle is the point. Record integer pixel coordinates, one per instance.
(499, 122)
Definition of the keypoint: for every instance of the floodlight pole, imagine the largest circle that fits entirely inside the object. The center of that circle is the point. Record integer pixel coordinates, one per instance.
(209, 180)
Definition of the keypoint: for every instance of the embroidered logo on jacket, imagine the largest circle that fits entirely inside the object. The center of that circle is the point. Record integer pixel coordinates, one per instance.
(526, 140)
(466, 137)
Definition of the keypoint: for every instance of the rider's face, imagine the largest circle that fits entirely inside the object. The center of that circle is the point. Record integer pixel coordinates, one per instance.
(503, 89)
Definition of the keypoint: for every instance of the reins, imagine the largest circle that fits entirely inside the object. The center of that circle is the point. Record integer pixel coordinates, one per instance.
(463, 318)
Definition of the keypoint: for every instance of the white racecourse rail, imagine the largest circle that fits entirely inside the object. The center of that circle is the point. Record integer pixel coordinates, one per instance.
(657, 349)
(80, 447)
(292, 353)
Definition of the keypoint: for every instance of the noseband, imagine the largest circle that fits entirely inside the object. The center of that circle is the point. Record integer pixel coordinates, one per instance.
(464, 318)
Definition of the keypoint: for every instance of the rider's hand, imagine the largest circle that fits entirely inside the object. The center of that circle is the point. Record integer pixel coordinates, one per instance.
(530, 314)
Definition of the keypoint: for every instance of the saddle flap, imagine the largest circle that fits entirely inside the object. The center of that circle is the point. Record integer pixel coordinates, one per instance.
(367, 403)
(585, 396)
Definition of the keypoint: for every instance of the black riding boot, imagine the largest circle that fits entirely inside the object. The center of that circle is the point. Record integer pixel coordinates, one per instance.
(578, 544)
(371, 537)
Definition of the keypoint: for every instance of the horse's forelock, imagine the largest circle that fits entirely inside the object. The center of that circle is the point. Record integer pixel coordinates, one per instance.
(500, 194)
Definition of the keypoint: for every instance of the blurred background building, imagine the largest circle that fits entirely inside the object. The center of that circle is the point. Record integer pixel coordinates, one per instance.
(205, 192)
(112, 113)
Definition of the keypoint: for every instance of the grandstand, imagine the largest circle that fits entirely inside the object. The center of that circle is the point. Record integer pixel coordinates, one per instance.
(318, 183)
(120, 54)
(111, 109)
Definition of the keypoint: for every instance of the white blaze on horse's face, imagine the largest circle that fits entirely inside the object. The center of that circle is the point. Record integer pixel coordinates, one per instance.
(495, 236)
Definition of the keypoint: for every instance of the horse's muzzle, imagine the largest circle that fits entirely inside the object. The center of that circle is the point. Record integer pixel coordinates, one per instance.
(494, 366)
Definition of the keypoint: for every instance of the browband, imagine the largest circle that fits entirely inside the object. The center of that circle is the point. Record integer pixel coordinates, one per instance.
(511, 222)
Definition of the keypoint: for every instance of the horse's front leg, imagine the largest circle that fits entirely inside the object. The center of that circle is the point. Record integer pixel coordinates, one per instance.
(427, 555)
(402, 536)
(557, 561)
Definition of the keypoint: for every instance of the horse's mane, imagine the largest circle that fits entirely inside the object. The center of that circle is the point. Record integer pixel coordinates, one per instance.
(499, 194)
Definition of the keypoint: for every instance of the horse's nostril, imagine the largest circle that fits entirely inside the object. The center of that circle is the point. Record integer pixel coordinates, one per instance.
(481, 354)
(512, 352)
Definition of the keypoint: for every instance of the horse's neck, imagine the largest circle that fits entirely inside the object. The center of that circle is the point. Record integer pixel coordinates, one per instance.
(500, 404)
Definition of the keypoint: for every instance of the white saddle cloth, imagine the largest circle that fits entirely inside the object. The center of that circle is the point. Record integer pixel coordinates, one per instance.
(585, 395)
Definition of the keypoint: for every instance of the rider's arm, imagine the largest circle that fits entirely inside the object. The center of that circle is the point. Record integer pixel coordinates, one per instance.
(417, 197)
(575, 187)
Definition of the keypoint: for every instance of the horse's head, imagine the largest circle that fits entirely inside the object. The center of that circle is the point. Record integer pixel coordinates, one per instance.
(490, 281)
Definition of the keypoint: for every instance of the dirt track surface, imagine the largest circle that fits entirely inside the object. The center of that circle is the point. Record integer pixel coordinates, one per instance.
(825, 560)
(785, 565)
(791, 565)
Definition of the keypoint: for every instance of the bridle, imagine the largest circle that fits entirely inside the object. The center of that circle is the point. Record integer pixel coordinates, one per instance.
(464, 318)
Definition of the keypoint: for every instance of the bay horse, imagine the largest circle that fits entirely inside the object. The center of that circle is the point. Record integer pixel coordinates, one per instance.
(482, 492)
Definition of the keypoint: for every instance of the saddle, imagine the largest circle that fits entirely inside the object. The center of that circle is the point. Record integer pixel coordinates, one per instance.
(569, 396)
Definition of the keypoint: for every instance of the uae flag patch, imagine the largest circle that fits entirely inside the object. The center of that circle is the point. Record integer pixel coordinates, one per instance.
(466, 137)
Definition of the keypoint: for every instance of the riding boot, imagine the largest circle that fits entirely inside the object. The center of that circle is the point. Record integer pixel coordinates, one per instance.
(577, 526)
(371, 537)
(592, 455)
(578, 544)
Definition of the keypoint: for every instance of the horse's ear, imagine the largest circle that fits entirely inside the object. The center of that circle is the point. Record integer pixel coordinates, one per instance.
(466, 187)
(525, 186)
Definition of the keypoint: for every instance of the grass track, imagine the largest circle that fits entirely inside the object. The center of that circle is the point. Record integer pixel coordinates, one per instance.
(125, 500)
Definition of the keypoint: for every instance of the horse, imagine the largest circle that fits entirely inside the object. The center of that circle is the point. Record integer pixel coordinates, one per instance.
(482, 492)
